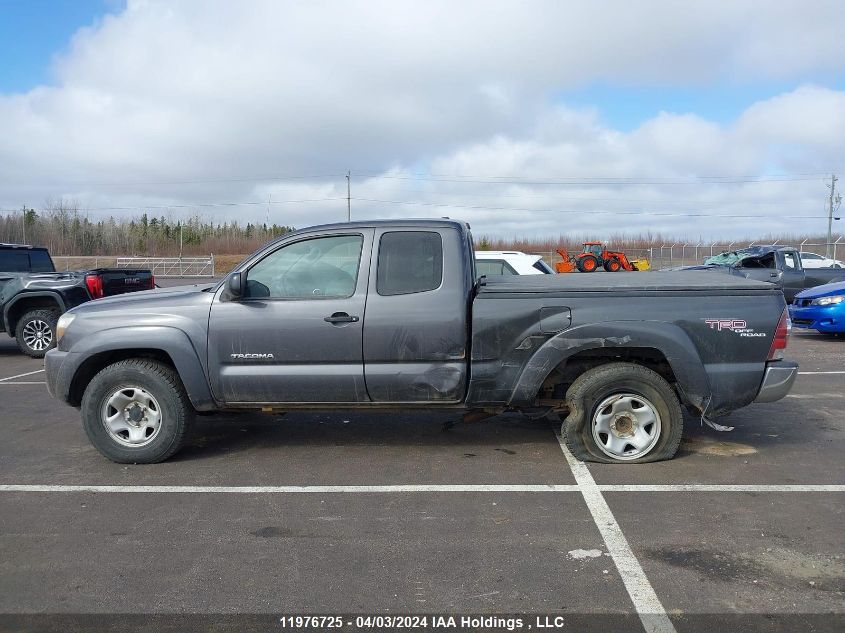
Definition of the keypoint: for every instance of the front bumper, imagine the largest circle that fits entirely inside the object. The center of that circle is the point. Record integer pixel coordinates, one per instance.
(59, 368)
(822, 318)
(777, 381)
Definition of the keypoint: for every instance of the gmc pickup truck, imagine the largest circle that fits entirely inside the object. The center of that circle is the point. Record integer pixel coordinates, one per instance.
(389, 315)
(33, 295)
(780, 265)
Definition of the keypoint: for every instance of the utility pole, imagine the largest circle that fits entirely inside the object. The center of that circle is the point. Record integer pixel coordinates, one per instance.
(267, 223)
(24, 223)
(349, 197)
(833, 199)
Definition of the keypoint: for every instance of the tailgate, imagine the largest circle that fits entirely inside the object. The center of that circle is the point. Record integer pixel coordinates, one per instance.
(121, 280)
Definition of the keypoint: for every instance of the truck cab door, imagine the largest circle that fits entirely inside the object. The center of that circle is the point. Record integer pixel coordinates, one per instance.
(416, 327)
(793, 273)
(296, 333)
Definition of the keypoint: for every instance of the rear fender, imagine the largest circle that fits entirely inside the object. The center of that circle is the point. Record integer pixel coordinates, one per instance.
(667, 338)
(13, 310)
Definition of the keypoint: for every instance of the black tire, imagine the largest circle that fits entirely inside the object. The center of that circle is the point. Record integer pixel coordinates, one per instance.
(40, 324)
(596, 386)
(585, 267)
(156, 379)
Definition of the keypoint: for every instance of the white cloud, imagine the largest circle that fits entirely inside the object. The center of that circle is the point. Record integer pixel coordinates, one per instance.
(203, 90)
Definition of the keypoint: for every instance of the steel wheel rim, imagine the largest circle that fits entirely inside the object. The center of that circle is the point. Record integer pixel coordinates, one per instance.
(131, 416)
(38, 335)
(626, 426)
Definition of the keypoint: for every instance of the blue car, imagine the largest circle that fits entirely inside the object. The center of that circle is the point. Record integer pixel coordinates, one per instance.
(821, 308)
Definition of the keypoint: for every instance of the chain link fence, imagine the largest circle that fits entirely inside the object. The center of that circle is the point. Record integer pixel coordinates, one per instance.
(160, 266)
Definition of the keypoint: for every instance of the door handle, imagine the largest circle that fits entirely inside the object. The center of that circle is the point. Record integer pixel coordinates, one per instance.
(341, 317)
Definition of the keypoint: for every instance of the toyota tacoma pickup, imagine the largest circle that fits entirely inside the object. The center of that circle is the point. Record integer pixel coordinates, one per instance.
(390, 315)
(33, 295)
(780, 265)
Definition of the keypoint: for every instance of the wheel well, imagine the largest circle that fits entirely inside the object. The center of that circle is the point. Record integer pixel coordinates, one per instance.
(25, 305)
(561, 377)
(93, 365)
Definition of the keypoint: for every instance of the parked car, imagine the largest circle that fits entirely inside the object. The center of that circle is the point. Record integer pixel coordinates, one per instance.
(821, 308)
(814, 260)
(389, 315)
(510, 263)
(33, 295)
(780, 265)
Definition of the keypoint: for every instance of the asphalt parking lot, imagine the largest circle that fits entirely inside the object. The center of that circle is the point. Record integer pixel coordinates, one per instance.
(383, 513)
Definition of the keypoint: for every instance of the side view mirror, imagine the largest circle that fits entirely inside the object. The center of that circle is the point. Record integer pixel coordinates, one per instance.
(234, 285)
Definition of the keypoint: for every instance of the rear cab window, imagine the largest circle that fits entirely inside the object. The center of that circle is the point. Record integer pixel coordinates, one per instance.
(409, 262)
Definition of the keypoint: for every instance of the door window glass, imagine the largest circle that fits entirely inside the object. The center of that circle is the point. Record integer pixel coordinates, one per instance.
(324, 267)
(790, 261)
(409, 262)
(493, 267)
(14, 261)
(41, 262)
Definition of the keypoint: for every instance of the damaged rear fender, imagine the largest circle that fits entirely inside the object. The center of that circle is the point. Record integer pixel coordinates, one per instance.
(668, 339)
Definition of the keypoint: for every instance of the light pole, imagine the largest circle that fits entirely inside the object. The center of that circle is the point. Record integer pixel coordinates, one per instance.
(836, 199)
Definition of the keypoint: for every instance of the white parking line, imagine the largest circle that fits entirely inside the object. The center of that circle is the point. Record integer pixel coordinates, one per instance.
(296, 489)
(646, 603)
(818, 373)
(42, 382)
(721, 488)
(29, 373)
(764, 488)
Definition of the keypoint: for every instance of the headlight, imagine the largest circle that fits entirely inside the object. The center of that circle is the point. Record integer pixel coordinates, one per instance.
(828, 301)
(64, 322)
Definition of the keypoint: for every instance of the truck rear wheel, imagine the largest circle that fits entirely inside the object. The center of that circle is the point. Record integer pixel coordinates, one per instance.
(36, 332)
(136, 411)
(622, 413)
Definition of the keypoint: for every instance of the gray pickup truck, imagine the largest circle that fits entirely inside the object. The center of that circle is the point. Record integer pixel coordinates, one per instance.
(389, 315)
(780, 265)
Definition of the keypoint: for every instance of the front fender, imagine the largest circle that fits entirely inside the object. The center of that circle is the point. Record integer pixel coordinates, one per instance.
(667, 338)
(173, 341)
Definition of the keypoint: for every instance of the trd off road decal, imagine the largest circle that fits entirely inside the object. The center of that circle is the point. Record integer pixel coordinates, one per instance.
(737, 326)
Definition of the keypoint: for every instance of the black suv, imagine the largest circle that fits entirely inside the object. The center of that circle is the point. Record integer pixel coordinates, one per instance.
(33, 295)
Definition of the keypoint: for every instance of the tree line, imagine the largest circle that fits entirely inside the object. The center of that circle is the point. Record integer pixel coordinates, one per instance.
(64, 230)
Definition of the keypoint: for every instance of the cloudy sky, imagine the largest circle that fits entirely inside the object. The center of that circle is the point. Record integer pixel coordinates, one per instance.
(702, 120)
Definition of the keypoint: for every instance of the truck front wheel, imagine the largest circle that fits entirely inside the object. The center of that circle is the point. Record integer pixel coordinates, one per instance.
(136, 411)
(622, 413)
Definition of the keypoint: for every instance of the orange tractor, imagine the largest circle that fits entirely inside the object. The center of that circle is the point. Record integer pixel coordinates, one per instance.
(596, 255)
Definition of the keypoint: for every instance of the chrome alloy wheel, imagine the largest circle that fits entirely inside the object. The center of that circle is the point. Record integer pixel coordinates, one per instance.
(38, 335)
(626, 426)
(131, 417)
